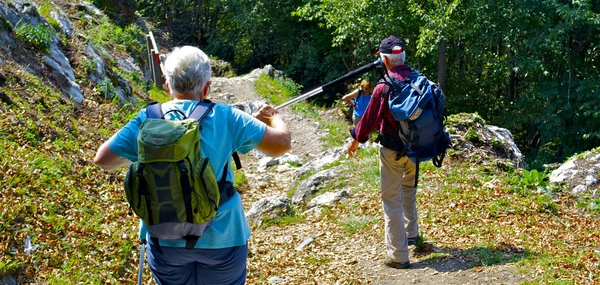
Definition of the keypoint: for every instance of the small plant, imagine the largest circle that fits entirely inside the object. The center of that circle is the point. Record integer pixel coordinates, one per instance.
(107, 89)
(39, 36)
(473, 137)
(89, 65)
(531, 180)
(590, 204)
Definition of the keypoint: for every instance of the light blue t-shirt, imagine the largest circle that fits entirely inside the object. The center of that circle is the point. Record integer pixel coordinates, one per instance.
(361, 102)
(224, 130)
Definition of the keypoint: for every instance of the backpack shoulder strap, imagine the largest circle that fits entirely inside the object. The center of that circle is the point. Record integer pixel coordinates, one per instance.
(154, 111)
(199, 113)
(201, 110)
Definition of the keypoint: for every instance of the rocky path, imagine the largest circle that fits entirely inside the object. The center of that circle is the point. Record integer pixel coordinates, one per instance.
(272, 256)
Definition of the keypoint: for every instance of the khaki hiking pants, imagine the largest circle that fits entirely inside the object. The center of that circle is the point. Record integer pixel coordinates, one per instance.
(399, 203)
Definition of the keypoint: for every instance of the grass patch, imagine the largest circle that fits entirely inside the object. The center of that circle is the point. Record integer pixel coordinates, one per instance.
(158, 95)
(352, 224)
(276, 90)
(287, 219)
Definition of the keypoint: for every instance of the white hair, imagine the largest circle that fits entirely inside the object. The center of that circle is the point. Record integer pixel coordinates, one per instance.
(394, 59)
(187, 69)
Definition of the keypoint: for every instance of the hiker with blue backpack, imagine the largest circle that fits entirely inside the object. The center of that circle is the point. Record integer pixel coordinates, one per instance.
(359, 99)
(180, 181)
(408, 110)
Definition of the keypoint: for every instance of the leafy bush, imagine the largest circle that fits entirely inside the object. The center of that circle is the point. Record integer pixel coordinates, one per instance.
(39, 36)
(107, 89)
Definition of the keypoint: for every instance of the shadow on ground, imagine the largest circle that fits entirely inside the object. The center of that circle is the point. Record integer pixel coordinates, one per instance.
(451, 265)
(448, 259)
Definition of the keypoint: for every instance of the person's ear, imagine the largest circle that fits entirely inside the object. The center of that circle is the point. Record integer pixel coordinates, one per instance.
(166, 85)
(206, 90)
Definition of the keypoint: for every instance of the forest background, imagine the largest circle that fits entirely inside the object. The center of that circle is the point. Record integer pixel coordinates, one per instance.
(531, 66)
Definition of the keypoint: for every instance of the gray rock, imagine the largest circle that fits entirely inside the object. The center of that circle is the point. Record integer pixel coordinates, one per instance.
(63, 74)
(581, 172)
(98, 75)
(63, 22)
(227, 96)
(564, 172)
(315, 182)
(579, 189)
(8, 280)
(327, 157)
(266, 162)
(90, 8)
(328, 199)
(271, 207)
(249, 107)
(503, 135)
(7, 43)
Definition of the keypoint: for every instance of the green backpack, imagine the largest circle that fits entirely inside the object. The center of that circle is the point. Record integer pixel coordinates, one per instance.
(173, 187)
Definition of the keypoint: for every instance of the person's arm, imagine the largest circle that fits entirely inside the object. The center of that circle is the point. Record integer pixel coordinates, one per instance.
(108, 160)
(348, 97)
(277, 139)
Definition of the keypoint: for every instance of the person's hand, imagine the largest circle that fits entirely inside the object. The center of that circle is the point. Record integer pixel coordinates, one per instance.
(352, 147)
(265, 114)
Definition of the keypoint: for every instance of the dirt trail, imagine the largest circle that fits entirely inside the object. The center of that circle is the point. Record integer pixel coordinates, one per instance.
(353, 262)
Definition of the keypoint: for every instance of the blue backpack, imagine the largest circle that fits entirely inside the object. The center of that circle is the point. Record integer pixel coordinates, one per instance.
(418, 105)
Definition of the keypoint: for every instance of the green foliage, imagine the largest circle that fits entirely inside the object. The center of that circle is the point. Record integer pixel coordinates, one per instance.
(276, 91)
(158, 95)
(107, 89)
(531, 181)
(131, 38)
(39, 36)
(45, 9)
(591, 204)
(525, 65)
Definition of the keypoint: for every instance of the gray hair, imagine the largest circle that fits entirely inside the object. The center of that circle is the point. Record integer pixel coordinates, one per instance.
(394, 59)
(187, 69)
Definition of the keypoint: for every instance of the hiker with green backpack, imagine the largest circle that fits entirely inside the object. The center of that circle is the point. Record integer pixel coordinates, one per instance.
(180, 180)
(405, 141)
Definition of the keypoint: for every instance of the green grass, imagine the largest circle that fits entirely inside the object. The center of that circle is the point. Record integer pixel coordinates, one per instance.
(158, 94)
(284, 220)
(276, 91)
(45, 9)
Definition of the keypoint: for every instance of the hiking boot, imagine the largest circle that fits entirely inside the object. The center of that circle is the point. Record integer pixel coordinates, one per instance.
(414, 240)
(398, 265)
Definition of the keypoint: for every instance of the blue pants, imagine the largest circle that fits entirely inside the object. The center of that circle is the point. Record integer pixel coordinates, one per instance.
(198, 266)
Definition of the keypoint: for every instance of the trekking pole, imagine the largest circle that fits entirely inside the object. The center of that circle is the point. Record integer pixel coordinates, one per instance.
(141, 267)
(350, 75)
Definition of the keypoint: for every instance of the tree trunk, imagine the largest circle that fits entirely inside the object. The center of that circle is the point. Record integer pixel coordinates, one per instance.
(442, 64)
(197, 23)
